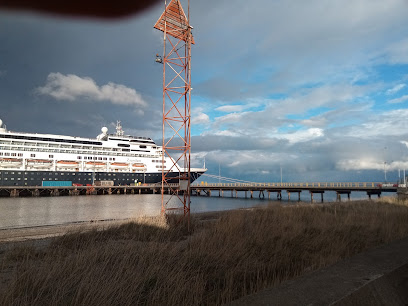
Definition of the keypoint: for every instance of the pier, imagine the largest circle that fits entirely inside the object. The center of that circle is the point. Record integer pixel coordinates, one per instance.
(260, 190)
(44, 191)
(263, 189)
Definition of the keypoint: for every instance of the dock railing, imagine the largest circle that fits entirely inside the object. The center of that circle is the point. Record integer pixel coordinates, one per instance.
(294, 185)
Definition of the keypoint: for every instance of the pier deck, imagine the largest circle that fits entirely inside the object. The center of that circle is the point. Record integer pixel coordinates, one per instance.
(371, 188)
(39, 191)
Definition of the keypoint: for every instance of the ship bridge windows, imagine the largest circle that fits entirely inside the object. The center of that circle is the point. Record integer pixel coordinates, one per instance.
(34, 138)
(119, 139)
(143, 141)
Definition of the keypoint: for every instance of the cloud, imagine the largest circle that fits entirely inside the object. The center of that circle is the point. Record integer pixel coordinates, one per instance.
(227, 133)
(395, 89)
(371, 164)
(201, 118)
(360, 164)
(71, 87)
(404, 143)
(234, 108)
(2, 73)
(313, 45)
(398, 52)
(391, 123)
(318, 121)
(399, 100)
(303, 135)
(198, 116)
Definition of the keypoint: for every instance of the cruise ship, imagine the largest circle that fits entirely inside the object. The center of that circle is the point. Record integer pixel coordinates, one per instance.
(30, 159)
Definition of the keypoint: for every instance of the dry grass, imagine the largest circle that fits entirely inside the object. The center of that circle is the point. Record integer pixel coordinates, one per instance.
(238, 254)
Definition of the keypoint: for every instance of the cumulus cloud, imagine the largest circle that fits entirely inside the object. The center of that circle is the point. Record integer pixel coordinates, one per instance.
(317, 121)
(227, 133)
(391, 123)
(398, 52)
(71, 87)
(395, 89)
(371, 164)
(399, 100)
(303, 135)
(234, 108)
(360, 164)
(201, 118)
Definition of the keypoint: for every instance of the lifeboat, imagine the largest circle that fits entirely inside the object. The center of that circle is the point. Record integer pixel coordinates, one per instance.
(67, 164)
(119, 165)
(139, 167)
(95, 165)
(39, 163)
(10, 162)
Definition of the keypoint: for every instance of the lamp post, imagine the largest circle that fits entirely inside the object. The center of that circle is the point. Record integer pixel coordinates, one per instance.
(385, 172)
(385, 165)
(281, 172)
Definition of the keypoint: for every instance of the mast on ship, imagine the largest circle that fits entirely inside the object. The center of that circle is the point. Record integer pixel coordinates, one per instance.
(119, 130)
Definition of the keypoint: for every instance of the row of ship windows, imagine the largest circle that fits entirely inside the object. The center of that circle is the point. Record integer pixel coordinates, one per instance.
(44, 179)
(158, 161)
(59, 140)
(72, 151)
(50, 145)
(52, 156)
(73, 173)
(68, 151)
(49, 173)
(12, 154)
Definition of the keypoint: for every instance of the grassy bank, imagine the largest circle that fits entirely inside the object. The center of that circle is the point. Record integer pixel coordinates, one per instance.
(152, 263)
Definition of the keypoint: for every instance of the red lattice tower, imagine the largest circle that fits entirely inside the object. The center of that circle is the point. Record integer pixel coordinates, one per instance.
(177, 40)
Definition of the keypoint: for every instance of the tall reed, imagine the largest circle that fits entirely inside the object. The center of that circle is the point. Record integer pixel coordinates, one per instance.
(238, 254)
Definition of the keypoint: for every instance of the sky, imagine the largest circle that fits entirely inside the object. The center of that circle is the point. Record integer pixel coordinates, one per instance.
(316, 88)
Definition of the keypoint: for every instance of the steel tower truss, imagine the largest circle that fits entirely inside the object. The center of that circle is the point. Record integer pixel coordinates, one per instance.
(177, 40)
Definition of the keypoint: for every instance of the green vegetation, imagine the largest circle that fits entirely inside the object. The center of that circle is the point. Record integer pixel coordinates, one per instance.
(224, 258)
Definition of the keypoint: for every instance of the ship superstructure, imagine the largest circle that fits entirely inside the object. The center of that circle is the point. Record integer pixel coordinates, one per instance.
(28, 159)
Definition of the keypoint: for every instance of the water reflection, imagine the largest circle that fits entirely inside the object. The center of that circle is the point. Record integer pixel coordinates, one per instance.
(28, 212)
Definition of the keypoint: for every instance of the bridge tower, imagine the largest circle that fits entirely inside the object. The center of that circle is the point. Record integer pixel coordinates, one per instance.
(177, 40)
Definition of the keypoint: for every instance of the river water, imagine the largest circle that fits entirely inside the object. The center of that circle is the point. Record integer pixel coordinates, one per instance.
(33, 211)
